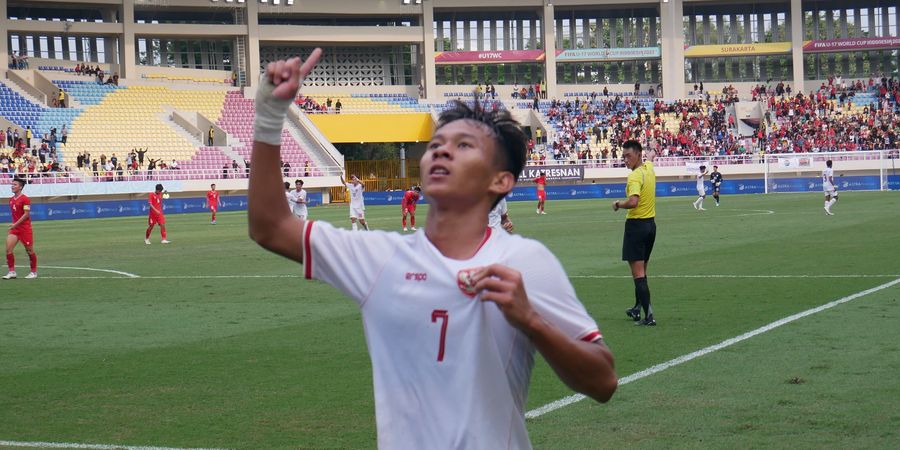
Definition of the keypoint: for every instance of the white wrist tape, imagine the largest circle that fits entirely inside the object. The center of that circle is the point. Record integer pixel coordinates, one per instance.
(270, 113)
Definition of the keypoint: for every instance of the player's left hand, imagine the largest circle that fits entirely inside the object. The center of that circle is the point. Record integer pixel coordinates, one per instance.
(508, 226)
(504, 286)
(616, 205)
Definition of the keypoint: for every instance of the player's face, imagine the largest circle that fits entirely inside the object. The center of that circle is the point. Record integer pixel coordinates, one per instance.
(459, 163)
(16, 188)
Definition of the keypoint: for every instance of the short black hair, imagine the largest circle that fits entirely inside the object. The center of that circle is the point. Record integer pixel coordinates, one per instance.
(21, 181)
(828, 163)
(507, 132)
(702, 168)
(632, 145)
(715, 167)
(159, 187)
(299, 181)
(287, 185)
(417, 188)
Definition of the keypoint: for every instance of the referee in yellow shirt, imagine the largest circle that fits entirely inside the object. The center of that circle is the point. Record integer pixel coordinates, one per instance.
(640, 226)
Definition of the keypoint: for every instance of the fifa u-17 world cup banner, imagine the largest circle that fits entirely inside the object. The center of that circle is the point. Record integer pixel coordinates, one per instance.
(795, 163)
(848, 44)
(607, 54)
(487, 57)
(553, 173)
(766, 48)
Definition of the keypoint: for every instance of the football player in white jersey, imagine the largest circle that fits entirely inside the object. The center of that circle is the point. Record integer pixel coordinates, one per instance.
(499, 217)
(829, 187)
(298, 198)
(357, 204)
(454, 313)
(701, 190)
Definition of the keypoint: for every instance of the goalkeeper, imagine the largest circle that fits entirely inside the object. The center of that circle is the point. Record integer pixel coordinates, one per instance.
(716, 179)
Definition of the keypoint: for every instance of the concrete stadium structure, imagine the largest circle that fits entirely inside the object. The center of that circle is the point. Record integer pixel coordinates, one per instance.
(443, 45)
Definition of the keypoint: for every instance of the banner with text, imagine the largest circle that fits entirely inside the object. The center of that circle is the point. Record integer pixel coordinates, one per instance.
(767, 48)
(124, 208)
(553, 173)
(607, 54)
(486, 57)
(851, 44)
(795, 163)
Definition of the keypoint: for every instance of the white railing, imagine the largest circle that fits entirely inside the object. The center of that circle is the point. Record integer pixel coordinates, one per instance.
(156, 175)
(725, 160)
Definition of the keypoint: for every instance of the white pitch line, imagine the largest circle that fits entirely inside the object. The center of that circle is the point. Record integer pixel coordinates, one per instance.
(90, 446)
(737, 276)
(90, 269)
(563, 402)
(172, 277)
(203, 277)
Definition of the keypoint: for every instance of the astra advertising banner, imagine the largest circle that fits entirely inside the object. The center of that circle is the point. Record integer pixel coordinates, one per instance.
(100, 209)
(489, 56)
(851, 44)
(766, 48)
(607, 54)
(124, 208)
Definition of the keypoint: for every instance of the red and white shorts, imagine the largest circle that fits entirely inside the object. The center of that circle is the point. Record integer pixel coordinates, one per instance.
(542, 195)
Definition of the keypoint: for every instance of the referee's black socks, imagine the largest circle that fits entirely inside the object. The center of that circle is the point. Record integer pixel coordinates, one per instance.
(642, 295)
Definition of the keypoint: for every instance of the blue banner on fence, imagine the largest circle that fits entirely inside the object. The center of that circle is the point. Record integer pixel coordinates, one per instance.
(122, 208)
(85, 210)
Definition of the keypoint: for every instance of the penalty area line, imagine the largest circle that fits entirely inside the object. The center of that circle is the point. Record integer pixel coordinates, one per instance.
(563, 402)
(25, 444)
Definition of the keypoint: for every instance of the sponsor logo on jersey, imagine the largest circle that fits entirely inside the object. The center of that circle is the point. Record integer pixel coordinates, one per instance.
(416, 276)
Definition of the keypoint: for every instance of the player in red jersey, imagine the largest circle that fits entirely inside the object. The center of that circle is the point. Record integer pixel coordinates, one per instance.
(408, 204)
(156, 215)
(541, 182)
(20, 230)
(212, 199)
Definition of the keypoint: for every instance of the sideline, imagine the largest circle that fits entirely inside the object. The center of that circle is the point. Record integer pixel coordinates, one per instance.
(563, 402)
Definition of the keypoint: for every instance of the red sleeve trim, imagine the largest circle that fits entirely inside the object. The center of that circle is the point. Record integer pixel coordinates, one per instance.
(592, 336)
(307, 255)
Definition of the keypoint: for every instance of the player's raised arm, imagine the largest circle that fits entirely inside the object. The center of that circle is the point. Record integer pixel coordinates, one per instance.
(270, 221)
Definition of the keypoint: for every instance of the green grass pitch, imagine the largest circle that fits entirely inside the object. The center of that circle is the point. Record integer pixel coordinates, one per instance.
(220, 344)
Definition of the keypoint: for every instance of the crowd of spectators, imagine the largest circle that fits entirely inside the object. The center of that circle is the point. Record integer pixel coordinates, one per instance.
(829, 118)
(96, 72)
(594, 128)
(309, 105)
(825, 119)
(22, 155)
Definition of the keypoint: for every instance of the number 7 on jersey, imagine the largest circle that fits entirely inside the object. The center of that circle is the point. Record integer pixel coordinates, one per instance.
(441, 314)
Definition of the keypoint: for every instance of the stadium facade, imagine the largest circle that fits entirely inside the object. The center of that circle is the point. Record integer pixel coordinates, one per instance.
(441, 45)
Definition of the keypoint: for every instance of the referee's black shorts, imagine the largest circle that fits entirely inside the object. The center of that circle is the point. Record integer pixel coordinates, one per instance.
(640, 234)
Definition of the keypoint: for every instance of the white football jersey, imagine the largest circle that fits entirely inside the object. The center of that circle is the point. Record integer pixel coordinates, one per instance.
(449, 370)
(496, 214)
(356, 195)
(298, 207)
(827, 175)
(700, 186)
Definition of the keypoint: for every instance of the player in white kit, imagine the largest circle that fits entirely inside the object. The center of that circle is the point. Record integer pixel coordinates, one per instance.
(701, 190)
(829, 187)
(453, 313)
(298, 198)
(499, 217)
(357, 204)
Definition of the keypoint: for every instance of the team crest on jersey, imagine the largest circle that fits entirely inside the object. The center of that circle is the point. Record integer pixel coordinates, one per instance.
(464, 281)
